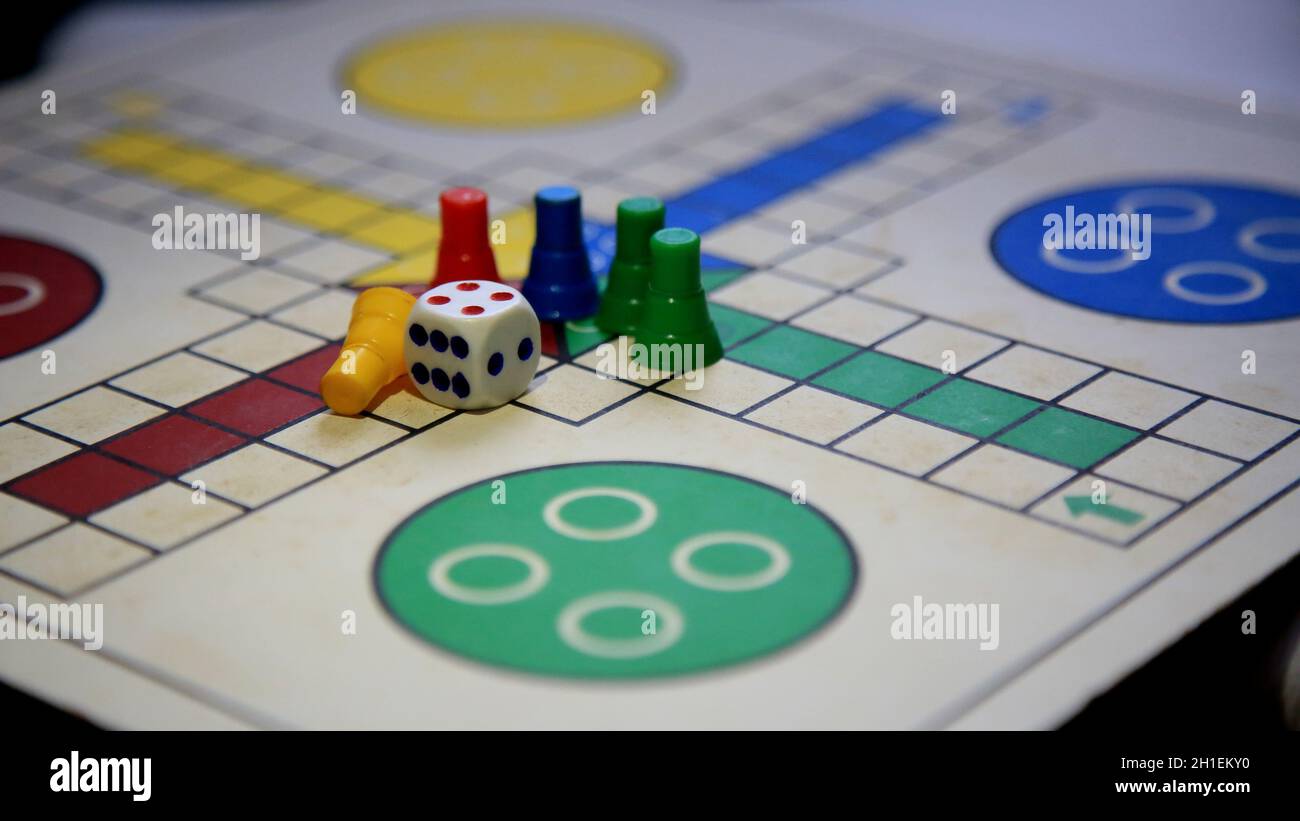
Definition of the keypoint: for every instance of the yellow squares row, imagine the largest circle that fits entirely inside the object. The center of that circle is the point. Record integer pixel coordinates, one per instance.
(128, 149)
(400, 232)
(260, 187)
(407, 234)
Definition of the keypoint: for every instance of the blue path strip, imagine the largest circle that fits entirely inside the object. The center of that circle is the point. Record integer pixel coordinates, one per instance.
(799, 165)
(780, 173)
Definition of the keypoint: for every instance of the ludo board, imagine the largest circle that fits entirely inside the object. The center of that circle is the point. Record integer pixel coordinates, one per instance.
(920, 406)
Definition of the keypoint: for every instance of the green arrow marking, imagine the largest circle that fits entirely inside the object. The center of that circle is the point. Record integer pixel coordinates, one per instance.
(1079, 505)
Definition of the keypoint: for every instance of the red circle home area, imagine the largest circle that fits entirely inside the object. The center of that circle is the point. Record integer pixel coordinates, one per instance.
(44, 291)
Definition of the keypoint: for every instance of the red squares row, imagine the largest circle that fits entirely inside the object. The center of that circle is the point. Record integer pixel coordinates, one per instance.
(90, 481)
(83, 484)
(305, 372)
(174, 444)
(256, 407)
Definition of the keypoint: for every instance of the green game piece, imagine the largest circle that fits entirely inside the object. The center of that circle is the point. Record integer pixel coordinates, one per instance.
(581, 335)
(971, 407)
(879, 379)
(791, 352)
(676, 312)
(616, 570)
(629, 274)
(1076, 440)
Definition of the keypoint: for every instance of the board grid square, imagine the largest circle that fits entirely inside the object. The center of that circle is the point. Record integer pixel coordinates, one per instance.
(255, 474)
(335, 440)
(178, 379)
(93, 414)
(173, 444)
(24, 521)
(879, 379)
(257, 346)
(305, 372)
(82, 484)
(904, 444)
(813, 414)
(1002, 475)
(970, 407)
(791, 352)
(1069, 438)
(23, 449)
(1033, 372)
(1128, 400)
(256, 407)
(72, 558)
(729, 387)
(165, 515)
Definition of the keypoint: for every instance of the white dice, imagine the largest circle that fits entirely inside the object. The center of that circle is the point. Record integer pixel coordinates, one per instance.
(472, 344)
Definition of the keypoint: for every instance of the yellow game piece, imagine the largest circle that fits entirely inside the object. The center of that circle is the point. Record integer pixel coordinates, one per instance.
(372, 353)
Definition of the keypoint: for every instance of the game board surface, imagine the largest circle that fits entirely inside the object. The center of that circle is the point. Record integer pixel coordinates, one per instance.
(915, 404)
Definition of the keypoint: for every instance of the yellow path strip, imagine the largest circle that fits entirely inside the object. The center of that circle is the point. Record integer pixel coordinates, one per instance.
(411, 236)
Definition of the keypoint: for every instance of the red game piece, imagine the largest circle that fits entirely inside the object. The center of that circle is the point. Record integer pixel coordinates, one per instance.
(464, 251)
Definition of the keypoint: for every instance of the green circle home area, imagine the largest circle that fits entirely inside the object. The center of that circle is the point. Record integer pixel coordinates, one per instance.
(615, 570)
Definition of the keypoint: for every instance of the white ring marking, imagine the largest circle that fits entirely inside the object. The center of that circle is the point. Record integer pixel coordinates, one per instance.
(1248, 239)
(1109, 265)
(1256, 284)
(1202, 210)
(440, 574)
(35, 293)
(569, 625)
(551, 514)
(775, 569)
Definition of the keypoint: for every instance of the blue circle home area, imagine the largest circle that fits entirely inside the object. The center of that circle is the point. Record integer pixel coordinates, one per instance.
(1214, 253)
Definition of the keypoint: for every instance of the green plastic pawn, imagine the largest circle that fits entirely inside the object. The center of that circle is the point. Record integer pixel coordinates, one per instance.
(629, 274)
(676, 312)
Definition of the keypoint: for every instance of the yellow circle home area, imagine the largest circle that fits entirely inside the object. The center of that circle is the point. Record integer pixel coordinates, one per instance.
(507, 75)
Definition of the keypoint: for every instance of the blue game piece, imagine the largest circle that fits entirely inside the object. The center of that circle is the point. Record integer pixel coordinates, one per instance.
(560, 284)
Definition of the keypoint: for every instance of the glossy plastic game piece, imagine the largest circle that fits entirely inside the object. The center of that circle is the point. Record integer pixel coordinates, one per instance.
(676, 311)
(472, 344)
(629, 274)
(560, 285)
(464, 251)
(372, 352)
